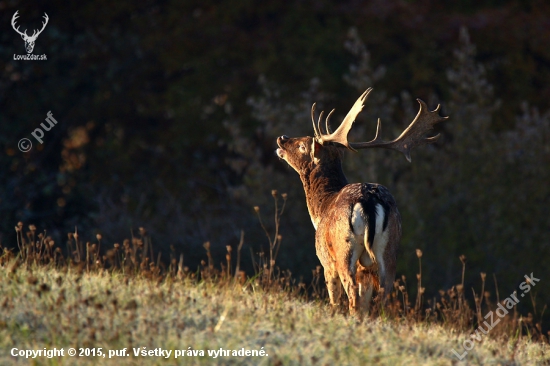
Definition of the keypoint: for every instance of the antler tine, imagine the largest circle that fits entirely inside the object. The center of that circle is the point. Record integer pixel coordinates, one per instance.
(36, 32)
(13, 19)
(329, 130)
(319, 124)
(378, 130)
(412, 136)
(340, 136)
(316, 133)
(46, 18)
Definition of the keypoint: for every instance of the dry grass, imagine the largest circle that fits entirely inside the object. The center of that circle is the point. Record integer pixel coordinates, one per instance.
(122, 299)
(46, 307)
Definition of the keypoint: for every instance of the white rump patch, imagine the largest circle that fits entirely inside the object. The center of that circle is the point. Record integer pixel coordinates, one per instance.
(358, 220)
(361, 231)
(375, 252)
(380, 238)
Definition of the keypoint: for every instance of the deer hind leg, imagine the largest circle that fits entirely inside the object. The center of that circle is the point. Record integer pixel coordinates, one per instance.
(367, 277)
(367, 263)
(366, 287)
(350, 286)
(346, 262)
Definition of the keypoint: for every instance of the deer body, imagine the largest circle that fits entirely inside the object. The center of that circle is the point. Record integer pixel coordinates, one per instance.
(358, 226)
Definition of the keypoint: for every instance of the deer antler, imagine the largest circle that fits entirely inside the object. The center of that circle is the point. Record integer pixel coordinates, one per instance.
(411, 137)
(46, 18)
(341, 133)
(24, 34)
(15, 16)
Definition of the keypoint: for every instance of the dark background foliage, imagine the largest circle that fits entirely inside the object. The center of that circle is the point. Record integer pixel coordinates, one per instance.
(168, 113)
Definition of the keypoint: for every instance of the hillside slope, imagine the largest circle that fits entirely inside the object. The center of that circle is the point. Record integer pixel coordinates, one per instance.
(43, 309)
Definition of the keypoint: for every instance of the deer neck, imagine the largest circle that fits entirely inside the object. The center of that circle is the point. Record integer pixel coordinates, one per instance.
(321, 184)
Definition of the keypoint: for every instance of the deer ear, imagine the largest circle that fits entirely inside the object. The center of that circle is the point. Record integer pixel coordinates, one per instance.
(316, 151)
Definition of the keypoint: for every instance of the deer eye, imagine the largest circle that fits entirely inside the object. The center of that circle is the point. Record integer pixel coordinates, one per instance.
(302, 148)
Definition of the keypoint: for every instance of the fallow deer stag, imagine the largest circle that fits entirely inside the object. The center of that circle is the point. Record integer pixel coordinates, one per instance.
(358, 226)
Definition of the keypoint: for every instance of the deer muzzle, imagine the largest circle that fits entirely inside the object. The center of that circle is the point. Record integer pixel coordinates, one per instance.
(281, 150)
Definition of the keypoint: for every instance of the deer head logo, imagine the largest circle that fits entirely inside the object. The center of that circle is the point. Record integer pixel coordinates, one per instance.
(29, 40)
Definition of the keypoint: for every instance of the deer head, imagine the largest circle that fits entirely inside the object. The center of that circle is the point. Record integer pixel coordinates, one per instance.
(301, 152)
(29, 40)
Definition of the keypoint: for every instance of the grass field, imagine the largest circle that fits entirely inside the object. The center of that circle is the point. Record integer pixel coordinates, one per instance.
(42, 307)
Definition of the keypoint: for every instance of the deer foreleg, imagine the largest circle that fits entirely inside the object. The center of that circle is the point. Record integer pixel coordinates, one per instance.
(333, 285)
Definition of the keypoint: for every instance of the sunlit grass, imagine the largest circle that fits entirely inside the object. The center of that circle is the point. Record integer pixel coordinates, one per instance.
(122, 301)
(44, 307)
